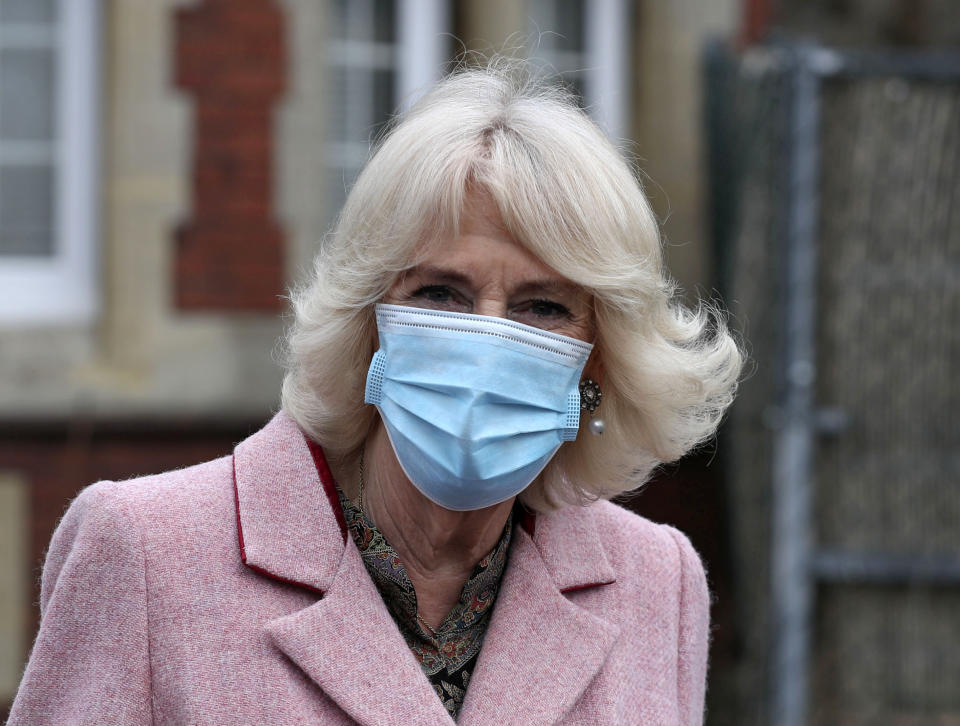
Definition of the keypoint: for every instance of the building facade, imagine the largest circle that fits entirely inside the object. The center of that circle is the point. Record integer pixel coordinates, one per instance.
(168, 169)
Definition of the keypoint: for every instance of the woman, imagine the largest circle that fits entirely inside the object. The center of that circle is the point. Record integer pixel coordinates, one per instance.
(421, 534)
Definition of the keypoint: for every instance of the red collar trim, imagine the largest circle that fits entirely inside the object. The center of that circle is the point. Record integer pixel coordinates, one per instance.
(329, 485)
(575, 588)
(236, 501)
(528, 519)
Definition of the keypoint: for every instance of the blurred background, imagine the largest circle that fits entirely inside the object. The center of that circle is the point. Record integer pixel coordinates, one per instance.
(168, 168)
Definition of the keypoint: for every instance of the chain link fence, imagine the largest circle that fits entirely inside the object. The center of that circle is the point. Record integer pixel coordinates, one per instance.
(836, 189)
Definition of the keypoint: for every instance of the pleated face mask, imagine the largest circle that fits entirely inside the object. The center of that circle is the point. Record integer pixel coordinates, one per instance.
(474, 406)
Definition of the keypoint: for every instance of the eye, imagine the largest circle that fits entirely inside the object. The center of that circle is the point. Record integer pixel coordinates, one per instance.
(547, 308)
(434, 293)
(439, 297)
(542, 313)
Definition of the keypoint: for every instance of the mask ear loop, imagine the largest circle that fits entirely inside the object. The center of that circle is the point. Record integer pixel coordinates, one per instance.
(590, 398)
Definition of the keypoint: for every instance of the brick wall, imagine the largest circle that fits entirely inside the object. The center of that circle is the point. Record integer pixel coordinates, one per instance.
(57, 459)
(230, 58)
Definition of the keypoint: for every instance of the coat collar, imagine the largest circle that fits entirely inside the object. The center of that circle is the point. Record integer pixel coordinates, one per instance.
(541, 649)
(286, 527)
(290, 529)
(348, 644)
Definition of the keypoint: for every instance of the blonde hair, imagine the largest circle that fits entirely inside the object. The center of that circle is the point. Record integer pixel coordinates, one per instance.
(566, 194)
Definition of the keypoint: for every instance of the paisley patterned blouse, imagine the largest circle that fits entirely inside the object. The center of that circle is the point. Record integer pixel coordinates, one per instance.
(448, 655)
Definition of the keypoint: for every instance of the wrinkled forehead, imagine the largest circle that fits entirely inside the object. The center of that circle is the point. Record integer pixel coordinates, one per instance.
(519, 214)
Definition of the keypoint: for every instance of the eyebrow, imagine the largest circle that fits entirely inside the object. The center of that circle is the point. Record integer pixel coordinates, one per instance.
(539, 285)
(440, 275)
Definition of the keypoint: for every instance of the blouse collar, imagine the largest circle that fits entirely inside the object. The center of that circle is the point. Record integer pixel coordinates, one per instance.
(469, 614)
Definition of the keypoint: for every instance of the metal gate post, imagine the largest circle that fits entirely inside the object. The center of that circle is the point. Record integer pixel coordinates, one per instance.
(791, 534)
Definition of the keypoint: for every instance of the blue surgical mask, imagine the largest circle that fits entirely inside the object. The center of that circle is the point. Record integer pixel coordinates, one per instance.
(474, 406)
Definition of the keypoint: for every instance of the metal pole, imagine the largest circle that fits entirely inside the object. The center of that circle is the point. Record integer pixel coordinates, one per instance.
(792, 455)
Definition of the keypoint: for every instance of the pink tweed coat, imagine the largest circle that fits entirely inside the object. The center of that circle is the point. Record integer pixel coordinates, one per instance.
(230, 592)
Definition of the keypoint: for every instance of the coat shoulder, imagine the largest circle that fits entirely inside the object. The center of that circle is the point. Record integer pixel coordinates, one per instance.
(636, 544)
(191, 488)
(176, 508)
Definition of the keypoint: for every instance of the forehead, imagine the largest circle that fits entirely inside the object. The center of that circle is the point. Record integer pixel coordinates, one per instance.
(482, 247)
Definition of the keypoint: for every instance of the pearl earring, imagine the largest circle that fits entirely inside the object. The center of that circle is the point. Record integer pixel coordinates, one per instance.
(590, 396)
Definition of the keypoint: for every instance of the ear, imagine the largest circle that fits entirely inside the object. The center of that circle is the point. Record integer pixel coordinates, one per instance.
(594, 368)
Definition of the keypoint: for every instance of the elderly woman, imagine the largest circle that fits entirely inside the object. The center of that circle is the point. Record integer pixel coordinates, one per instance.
(487, 352)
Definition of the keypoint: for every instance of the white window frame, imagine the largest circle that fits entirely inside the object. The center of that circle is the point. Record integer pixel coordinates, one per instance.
(603, 64)
(62, 288)
(422, 34)
(607, 53)
(417, 57)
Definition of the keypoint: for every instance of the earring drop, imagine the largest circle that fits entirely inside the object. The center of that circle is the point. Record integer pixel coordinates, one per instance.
(590, 396)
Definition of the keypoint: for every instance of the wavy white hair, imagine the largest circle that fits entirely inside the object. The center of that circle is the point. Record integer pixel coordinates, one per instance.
(566, 194)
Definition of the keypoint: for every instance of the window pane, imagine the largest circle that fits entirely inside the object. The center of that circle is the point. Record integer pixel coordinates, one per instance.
(27, 11)
(337, 18)
(351, 114)
(26, 94)
(362, 86)
(383, 102)
(26, 210)
(363, 20)
(569, 25)
(339, 121)
(365, 102)
(338, 185)
(384, 21)
(575, 83)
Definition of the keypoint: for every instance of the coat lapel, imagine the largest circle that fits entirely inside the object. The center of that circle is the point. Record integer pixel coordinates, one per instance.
(541, 649)
(285, 525)
(349, 645)
(290, 530)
